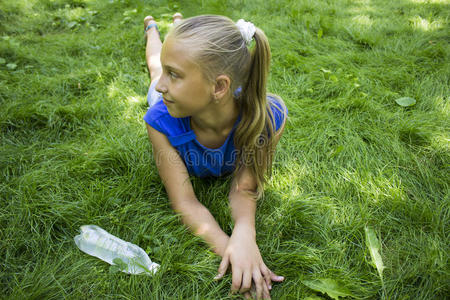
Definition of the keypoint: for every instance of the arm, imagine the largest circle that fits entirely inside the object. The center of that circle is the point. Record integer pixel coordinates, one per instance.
(175, 178)
(242, 201)
(242, 251)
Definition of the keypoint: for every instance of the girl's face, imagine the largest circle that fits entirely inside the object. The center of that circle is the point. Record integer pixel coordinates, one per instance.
(185, 90)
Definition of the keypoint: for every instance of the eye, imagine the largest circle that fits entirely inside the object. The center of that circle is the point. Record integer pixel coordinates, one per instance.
(173, 75)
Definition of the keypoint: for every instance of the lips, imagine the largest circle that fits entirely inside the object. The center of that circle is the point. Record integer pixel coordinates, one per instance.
(167, 101)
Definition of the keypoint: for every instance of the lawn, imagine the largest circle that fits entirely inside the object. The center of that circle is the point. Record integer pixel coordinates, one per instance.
(74, 151)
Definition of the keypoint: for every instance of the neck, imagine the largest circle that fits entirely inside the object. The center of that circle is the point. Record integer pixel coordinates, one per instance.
(218, 118)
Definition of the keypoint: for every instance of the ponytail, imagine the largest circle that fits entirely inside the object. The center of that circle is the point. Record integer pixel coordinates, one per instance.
(254, 134)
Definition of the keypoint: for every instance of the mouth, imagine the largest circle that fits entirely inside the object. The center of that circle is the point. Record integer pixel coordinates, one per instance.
(167, 101)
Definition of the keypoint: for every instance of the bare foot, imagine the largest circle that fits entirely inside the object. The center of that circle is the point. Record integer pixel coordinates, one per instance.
(148, 20)
(177, 17)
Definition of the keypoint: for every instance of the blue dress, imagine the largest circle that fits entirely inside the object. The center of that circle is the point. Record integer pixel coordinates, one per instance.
(200, 160)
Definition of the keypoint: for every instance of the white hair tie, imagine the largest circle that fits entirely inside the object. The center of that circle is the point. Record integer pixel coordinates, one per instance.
(247, 30)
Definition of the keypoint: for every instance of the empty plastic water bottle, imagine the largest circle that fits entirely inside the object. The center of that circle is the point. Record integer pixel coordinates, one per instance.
(97, 242)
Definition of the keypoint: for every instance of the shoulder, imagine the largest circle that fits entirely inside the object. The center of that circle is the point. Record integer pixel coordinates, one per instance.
(278, 110)
(159, 118)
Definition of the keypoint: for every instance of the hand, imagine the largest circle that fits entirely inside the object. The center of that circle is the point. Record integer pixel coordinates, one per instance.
(247, 266)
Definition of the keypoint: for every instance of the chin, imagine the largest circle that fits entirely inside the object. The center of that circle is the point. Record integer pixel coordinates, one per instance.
(175, 114)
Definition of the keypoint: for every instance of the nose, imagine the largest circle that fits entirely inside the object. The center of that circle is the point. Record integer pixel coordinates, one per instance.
(161, 86)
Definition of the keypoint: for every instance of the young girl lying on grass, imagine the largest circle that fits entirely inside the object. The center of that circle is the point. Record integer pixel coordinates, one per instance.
(209, 115)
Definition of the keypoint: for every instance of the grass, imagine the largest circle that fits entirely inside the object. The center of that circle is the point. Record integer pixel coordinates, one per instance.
(74, 150)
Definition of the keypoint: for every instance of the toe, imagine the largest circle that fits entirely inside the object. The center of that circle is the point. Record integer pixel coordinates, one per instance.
(177, 17)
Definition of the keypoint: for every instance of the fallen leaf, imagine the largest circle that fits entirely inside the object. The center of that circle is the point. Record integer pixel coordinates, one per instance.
(72, 24)
(328, 286)
(374, 246)
(130, 12)
(314, 297)
(120, 263)
(406, 101)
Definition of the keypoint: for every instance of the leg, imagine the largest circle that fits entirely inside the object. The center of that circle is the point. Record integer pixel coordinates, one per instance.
(152, 57)
(153, 47)
(153, 50)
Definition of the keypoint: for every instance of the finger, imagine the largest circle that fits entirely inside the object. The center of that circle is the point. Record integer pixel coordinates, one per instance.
(266, 274)
(222, 267)
(246, 282)
(259, 282)
(266, 293)
(236, 280)
(275, 277)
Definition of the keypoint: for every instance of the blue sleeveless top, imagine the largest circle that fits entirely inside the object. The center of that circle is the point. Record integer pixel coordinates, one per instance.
(200, 160)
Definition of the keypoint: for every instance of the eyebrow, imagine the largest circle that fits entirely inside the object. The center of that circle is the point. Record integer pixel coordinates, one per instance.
(173, 69)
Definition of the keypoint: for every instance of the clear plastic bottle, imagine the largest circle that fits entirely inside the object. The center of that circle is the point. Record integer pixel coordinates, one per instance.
(97, 242)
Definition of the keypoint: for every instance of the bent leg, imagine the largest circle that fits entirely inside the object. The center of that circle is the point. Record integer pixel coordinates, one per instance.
(152, 57)
(153, 50)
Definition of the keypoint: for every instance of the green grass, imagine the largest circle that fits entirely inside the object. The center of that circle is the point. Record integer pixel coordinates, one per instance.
(74, 150)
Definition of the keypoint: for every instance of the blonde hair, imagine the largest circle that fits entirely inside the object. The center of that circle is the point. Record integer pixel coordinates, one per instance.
(218, 47)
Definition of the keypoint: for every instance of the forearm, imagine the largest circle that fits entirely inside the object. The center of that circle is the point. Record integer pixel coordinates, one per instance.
(243, 208)
(201, 222)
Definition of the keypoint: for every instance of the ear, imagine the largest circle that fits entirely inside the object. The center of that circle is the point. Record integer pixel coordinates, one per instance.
(222, 86)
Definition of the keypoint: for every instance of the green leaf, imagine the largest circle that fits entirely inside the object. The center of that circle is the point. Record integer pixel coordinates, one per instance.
(11, 66)
(328, 286)
(125, 20)
(314, 297)
(406, 101)
(336, 151)
(2, 61)
(72, 24)
(374, 246)
(130, 12)
(121, 265)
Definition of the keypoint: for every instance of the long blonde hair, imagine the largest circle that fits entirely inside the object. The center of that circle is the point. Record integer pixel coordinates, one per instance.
(218, 48)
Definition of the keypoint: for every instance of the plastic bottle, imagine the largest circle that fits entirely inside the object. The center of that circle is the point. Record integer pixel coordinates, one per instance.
(97, 242)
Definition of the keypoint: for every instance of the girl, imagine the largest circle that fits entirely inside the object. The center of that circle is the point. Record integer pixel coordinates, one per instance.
(209, 116)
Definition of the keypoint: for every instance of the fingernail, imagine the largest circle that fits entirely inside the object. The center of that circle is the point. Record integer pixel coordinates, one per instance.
(270, 286)
(217, 276)
(281, 277)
